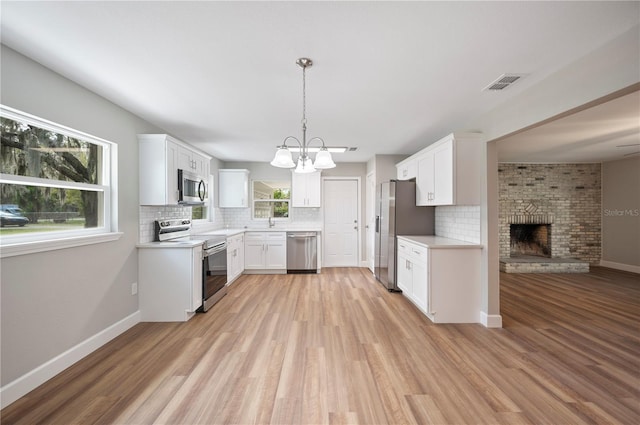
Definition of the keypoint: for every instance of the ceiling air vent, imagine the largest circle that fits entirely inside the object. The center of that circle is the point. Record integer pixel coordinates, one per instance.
(504, 81)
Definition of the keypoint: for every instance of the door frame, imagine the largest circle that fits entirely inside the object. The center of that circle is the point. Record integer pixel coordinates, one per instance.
(370, 210)
(358, 179)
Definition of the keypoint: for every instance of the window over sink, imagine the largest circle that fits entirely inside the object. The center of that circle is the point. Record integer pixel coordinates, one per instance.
(271, 199)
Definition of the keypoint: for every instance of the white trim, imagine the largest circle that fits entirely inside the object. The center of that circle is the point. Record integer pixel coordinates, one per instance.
(17, 115)
(490, 320)
(620, 266)
(53, 244)
(31, 380)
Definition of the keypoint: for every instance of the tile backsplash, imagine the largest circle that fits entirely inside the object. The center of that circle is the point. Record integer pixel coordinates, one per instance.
(237, 218)
(149, 214)
(461, 222)
(231, 218)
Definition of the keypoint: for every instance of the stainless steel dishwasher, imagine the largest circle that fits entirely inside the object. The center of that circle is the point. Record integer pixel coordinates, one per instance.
(302, 252)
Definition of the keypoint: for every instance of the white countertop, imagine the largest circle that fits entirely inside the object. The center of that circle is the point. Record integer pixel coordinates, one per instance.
(231, 232)
(439, 242)
(222, 232)
(171, 244)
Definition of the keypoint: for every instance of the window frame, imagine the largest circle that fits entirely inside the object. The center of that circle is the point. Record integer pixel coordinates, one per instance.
(253, 203)
(44, 241)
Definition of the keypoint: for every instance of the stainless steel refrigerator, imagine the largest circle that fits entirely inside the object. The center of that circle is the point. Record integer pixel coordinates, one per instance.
(397, 215)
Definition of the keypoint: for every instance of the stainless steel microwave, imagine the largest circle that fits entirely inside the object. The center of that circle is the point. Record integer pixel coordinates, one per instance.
(192, 189)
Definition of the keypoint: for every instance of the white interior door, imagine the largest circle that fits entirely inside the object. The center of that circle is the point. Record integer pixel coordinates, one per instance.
(340, 223)
(370, 218)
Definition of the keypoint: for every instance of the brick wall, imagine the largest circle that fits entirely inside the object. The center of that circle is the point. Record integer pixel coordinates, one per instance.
(566, 195)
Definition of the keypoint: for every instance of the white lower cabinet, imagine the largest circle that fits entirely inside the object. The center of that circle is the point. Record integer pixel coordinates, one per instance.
(412, 273)
(169, 283)
(442, 281)
(235, 257)
(265, 252)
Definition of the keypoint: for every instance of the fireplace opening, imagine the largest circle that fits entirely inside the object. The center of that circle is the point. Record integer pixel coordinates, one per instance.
(530, 239)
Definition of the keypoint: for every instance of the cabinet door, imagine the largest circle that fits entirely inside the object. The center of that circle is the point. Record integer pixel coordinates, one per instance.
(172, 173)
(254, 254)
(233, 189)
(420, 284)
(240, 254)
(276, 255)
(443, 174)
(407, 170)
(201, 164)
(425, 180)
(185, 160)
(405, 278)
(196, 278)
(314, 189)
(158, 175)
(305, 190)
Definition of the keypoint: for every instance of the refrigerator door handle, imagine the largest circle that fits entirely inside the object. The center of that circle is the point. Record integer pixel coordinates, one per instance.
(377, 224)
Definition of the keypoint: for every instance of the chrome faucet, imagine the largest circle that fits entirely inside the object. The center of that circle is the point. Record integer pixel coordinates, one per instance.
(271, 223)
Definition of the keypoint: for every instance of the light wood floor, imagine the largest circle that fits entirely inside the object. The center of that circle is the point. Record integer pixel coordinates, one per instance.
(337, 348)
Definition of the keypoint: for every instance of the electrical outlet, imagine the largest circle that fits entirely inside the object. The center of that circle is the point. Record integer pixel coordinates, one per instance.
(134, 288)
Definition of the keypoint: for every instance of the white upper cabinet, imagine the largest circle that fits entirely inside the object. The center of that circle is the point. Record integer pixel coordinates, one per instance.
(305, 190)
(193, 162)
(233, 188)
(449, 171)
(160, 157)
(407, 169)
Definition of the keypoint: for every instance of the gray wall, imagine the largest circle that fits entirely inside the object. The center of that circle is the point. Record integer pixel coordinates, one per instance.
(621, 211)
(52, 301)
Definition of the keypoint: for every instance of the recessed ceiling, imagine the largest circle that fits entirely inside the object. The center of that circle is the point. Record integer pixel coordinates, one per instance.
(388, 77)
(606, 132)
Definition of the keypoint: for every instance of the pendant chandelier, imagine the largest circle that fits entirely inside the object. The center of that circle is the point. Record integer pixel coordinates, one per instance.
(304, 164)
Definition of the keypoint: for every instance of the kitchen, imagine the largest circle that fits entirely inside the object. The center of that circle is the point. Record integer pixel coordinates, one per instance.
(42, 322)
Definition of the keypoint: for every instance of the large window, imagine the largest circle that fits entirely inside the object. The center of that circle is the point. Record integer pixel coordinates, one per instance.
(55, 182)
(271, 199)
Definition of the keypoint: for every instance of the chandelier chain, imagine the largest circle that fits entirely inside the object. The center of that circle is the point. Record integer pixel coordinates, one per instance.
(304, 96)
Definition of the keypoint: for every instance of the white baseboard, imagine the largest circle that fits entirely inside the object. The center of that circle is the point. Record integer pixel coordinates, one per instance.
(490, 320)
(620, 266)
(31, 380)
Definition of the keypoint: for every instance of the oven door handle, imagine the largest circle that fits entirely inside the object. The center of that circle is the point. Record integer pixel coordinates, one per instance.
(212, 251)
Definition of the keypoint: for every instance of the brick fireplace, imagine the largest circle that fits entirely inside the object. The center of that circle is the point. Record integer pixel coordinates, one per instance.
(550, 217)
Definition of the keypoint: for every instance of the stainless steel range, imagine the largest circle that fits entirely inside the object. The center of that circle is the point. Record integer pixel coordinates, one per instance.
(214, 257)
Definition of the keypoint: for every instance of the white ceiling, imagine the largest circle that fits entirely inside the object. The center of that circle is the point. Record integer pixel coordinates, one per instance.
(388, 77)
(605, 132)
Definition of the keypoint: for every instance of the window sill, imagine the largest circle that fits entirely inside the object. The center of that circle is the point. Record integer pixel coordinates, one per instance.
(55, 244)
